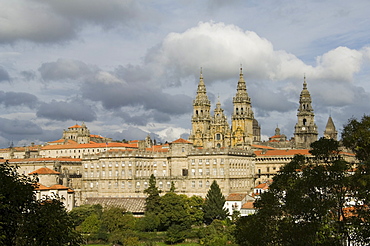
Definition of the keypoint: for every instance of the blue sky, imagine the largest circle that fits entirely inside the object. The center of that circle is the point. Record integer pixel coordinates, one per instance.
(131, 68)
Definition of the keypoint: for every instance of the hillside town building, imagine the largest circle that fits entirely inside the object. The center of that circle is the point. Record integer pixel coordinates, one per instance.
(94, 168)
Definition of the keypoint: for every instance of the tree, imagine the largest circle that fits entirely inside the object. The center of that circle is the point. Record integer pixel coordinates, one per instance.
(27, 221)
(153, 199)
(306, 200)
(213, 207)
(356, 137)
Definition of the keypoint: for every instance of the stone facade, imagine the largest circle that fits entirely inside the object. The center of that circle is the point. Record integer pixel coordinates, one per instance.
(214, 131)
(305, 131)
(233, 155)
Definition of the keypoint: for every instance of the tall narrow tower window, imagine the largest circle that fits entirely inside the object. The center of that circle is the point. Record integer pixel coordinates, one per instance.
(304, 122)
(237, 111)
(241, 110)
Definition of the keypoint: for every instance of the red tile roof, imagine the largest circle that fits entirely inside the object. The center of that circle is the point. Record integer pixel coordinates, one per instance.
(181, 140)
(44, 170)
(236, 197)
(75, 126)
(248, 205)
(60, 159)
(261, 146)
(280, 152)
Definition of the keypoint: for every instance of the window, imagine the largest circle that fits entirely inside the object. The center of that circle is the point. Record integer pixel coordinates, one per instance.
(160, 184)
(129, 172)
(117, 173)
(110, 173)
(168, 184)
(129, 184)
(123, 163)
(138, 185)
(200, 161)
(164, 172)
(200, 171)
(207, 161)
(222, 171)
(192, 184)
(200, 183)
(207, 184)
(215, 171)
(218, 136)
(123, 184)
(193, 172)
(164, 163)
(91, 174)
(222, 161)
(207, 171)
(192, 162)
(123, 173)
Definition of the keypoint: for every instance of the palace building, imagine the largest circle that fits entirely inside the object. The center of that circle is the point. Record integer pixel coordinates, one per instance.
(93, 167)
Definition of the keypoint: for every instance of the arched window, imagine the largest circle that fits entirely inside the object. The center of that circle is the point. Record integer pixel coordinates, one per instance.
(304, 122)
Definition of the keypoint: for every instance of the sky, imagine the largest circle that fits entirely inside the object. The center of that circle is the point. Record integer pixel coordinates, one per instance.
(129, 68)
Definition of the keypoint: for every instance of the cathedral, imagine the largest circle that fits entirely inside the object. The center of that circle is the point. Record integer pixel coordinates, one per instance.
(94, 167)
(213, 130)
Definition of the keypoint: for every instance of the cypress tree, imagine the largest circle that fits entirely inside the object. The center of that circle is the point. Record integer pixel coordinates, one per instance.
(213, 207)
(152, 201)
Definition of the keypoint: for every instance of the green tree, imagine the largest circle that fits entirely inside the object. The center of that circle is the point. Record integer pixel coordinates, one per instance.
(91, 225)
(153, 199)
(174, 211)
(213, 207)
(356, 137)
(27, 221)
(306, 200)
(81, 213)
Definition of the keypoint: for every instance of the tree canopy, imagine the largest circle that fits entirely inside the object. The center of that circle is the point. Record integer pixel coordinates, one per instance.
(213, 207)
(305, 204)
(27, 221)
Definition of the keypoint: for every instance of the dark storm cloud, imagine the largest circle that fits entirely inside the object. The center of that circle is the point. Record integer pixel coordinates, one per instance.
(115, 95)
(4, 75)
(62, 111)
(143, 118)
(267, 100)
(101, 12)
(64, 69)
(28, 75)
(20, 128)
(9, 99)
(132, 133)
(54, 21)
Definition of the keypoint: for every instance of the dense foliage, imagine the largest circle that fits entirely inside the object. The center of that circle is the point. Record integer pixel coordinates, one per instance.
(319, 201)
(170, 218)
(27, 221)
(213, 207)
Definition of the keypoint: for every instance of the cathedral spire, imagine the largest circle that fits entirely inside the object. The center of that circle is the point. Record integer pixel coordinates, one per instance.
(305, 130)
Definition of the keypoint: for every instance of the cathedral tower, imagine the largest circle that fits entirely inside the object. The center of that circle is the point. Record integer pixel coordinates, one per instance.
(330, 131)
(220, 130)
(201, 119)
(305, 131)
(242, 117)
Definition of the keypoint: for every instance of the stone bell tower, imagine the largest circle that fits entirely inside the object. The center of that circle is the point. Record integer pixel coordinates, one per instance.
(242, 117)
(305, 131)
(201, 119)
